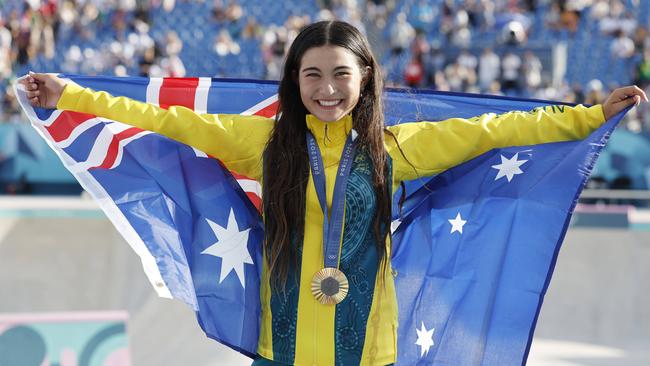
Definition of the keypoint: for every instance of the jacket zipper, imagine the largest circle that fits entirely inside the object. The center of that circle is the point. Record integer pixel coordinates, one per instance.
(325, 137)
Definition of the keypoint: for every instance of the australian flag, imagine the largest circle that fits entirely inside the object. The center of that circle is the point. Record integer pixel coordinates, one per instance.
(473, 249)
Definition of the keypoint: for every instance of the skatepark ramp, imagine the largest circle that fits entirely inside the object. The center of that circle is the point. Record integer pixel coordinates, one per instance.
(62, 256)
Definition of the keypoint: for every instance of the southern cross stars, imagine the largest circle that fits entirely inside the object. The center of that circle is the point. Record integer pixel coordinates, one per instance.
(231, 247)
(509, 167)
(457, 224)
(425, 339)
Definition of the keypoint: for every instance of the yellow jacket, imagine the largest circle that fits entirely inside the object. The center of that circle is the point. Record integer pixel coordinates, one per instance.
(432, 147)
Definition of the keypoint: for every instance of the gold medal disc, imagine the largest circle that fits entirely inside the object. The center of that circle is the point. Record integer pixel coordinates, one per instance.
(329, 286)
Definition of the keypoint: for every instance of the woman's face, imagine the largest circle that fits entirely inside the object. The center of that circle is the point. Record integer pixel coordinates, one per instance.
(330, 82)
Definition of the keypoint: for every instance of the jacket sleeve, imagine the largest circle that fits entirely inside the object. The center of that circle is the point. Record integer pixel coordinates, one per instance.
(238, 141)
(429, 148)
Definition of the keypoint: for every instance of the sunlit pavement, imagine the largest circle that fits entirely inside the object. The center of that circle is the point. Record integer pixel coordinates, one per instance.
(547, 352)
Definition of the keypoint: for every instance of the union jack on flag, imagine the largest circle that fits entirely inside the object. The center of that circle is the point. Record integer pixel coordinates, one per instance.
(469, 283)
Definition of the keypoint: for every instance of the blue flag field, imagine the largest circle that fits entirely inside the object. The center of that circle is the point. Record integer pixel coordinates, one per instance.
(473, 251)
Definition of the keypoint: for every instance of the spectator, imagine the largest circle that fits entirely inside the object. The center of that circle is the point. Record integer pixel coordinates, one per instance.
(168, 5)
(414, 72)
(510, 66)
(354, 18)
(424, 16)
(622, 46)
(252, 29)
(570, 11)
(440, 81)
(494, 88)
(599, 10)
(173, 44)
(420, 45)
(532, 69)
(628, 23)
(577, 94)
(377, 12)
(434, 63)
(234, 11)
(612, 22)
(147, 62)
(529, 6)
(468, 64)
(5, 50)
(489, 66)
(67, 19)
(119, 24)
(139, 41)
(642, 77)
(172, 65)
(225, 45)
(401, 35)
(274, 43)
(460, 78)
(22, 28)
(595, 93)
(513, 33)
(218, 12)
(455, 77)
(641, 39)
(552, 18)
(461, 34)
(474, 13)
(548, 91)
(43, 39)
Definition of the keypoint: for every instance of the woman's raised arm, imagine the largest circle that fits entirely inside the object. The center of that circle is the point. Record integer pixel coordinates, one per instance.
(429, 148)
(238, 141)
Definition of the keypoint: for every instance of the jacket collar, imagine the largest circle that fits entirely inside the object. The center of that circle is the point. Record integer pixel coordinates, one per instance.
(331, 133)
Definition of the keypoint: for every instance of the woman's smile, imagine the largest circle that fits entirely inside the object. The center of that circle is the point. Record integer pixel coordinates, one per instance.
(327, 104)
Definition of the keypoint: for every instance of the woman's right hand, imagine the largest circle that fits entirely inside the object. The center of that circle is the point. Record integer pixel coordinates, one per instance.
(43, 90)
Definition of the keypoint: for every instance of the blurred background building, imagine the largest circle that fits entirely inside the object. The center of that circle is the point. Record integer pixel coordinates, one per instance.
(566, 50)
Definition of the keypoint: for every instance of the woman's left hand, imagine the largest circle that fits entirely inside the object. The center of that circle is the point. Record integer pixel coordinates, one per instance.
(621, 98)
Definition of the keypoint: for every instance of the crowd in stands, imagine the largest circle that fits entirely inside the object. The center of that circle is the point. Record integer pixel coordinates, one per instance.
(477, 46)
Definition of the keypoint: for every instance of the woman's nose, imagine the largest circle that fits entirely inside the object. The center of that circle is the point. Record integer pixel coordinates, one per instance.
(328, 87)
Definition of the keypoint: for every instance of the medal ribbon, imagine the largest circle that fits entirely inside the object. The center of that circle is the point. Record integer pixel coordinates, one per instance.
(332, 226)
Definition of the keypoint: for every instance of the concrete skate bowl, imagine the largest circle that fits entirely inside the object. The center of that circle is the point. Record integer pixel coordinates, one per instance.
(596, 312)
(81, 264)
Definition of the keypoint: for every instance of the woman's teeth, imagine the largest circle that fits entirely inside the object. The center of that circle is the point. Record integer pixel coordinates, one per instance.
(329, 103)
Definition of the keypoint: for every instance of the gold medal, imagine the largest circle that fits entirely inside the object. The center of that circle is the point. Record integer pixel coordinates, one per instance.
(329, 286)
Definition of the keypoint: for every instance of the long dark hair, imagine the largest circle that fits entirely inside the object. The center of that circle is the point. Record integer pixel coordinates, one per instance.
(286, 165)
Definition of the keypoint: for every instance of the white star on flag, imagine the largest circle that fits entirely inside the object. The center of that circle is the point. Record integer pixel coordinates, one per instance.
(394, 225)
(509, 167)
(457, 224)
(231, 247)
(425, 339)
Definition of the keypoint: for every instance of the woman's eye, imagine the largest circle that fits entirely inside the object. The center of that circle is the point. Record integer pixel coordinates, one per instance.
(311, 75)
(342, 73)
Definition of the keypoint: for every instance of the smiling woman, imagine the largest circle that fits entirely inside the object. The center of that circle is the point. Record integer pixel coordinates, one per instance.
(329, 171)
(330, 81)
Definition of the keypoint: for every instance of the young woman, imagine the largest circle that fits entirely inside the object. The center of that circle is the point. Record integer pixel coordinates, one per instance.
(329, 168)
